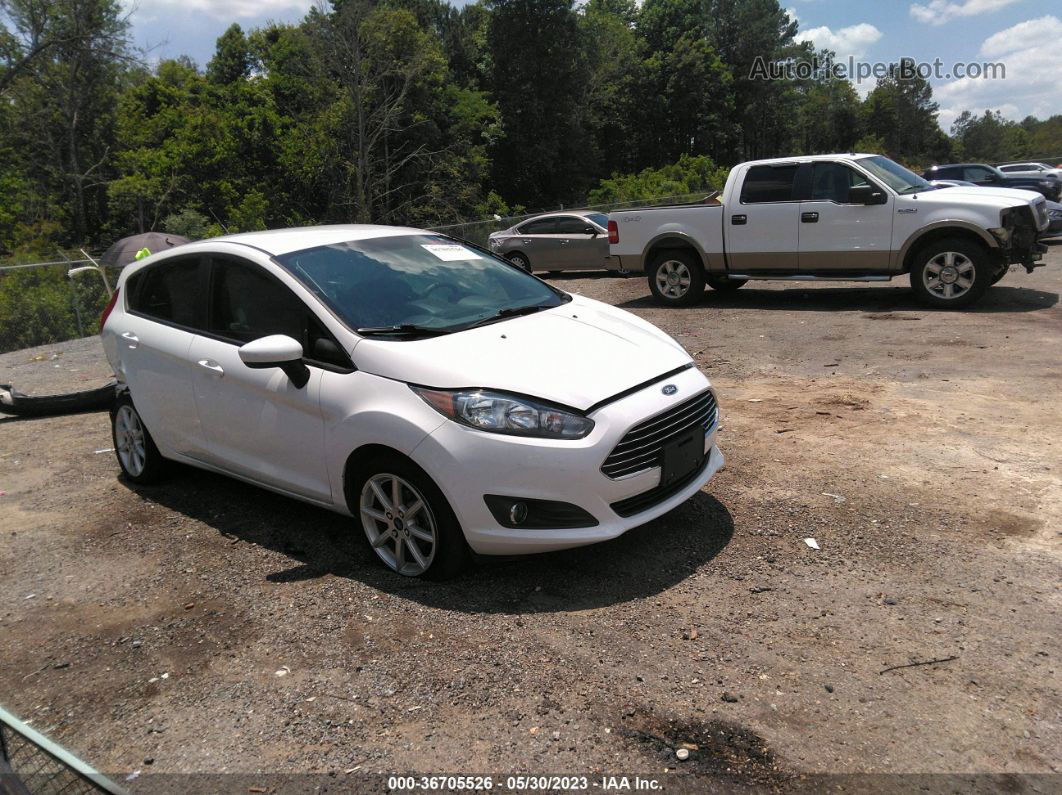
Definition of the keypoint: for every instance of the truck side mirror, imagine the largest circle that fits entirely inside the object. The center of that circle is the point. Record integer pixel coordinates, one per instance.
(592, 231)
(865, 194)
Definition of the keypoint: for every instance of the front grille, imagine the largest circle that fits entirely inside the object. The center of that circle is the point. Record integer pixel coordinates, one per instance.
(647, 499)
(643, 445)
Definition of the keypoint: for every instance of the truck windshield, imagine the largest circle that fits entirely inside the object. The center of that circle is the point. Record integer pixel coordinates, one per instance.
(894, 175)
(417, 284)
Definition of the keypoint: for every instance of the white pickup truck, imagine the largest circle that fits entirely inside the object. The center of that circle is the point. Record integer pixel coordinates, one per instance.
(835, 217)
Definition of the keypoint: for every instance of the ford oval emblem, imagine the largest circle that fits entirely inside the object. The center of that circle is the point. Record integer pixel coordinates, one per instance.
(670, 389)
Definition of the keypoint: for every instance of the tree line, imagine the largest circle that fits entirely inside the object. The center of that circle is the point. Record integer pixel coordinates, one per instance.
(417, 112)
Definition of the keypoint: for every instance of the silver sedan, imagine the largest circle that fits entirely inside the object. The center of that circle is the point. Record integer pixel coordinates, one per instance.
(556, 242)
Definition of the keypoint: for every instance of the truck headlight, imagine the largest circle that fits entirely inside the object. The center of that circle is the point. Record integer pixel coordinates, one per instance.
(496, 412)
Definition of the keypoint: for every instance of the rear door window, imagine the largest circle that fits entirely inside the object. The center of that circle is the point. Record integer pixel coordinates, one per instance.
(540, 226)
(169, 291)
(765, 184)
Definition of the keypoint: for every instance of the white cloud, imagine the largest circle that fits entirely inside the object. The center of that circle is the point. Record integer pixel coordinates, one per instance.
(157, 10)
(1033, 82)
(852, 41)
(939, 12)
(1031, 33)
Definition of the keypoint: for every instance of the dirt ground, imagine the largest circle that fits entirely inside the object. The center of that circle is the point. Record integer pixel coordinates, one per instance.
(215, 628)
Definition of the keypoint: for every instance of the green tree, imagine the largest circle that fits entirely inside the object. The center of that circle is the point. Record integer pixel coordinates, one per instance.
(539, 79)
(901, 110)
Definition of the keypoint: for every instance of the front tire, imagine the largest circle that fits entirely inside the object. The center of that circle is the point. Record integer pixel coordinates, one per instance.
(406, 519)
(951, 273)
(676, 278)
(1003, 271)
(137, 455)
(725, 283)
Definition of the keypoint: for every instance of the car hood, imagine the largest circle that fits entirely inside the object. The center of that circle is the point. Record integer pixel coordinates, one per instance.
(577, 354)
(977, 194)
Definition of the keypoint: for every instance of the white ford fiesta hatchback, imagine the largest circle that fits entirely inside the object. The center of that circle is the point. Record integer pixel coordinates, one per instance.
(443, 397)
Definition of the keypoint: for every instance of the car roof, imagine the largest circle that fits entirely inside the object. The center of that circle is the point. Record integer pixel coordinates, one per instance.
(283, 241)
(957, 165)
(810, 158)
(560, 213)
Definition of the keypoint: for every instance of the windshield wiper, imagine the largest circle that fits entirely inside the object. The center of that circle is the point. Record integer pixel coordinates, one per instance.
(411, 329)
(503, 314)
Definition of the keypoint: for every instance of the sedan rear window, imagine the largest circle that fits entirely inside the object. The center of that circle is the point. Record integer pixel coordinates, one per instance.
(423, 281)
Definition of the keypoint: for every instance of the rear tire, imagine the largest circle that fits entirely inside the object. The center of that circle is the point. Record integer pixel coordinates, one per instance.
(520, 261)
(725, 283)
(137, 455)
(415, 534)
(676, 278)
(951, 273)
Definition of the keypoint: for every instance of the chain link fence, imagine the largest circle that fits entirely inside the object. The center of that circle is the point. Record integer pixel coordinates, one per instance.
(40, 303)
(31, 764)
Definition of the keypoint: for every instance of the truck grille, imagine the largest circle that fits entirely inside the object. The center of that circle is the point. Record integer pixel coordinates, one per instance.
(642, 446)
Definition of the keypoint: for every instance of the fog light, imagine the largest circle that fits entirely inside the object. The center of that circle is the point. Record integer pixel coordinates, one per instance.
(528, 513)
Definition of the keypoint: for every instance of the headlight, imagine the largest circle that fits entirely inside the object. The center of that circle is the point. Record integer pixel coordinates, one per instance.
(499, 413)
(1055, 213)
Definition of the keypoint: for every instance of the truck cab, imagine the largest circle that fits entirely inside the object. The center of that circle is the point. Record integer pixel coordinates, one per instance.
(833, 217)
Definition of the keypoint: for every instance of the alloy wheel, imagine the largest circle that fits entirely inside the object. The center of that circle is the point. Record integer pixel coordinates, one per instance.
(399, 524)
(949, 275)
(130, 441)
(673, 278)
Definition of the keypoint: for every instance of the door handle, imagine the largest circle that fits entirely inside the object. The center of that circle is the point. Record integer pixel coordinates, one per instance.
(211, 365)
(565, 242)
(131, 339)
(809, 218)
(739, 220)
(527, 242)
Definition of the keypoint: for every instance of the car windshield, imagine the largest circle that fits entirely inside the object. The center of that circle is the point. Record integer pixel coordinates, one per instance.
(417, 283)
(598, 218)
(894, 175)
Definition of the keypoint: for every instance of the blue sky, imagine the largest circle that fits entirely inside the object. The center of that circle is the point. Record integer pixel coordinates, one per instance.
(1024, 35)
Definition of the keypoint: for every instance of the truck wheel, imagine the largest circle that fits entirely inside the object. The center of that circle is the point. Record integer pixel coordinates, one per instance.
(951, 273)
(725, 283)
(676, 278)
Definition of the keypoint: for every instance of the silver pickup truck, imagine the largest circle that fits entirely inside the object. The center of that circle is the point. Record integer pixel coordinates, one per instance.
(833, 217)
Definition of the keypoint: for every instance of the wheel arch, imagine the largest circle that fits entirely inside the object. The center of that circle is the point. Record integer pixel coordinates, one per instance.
(940, 231)
(367, 452)
(674, 241)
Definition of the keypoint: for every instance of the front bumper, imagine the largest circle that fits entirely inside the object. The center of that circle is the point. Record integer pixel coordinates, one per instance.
(468, 464)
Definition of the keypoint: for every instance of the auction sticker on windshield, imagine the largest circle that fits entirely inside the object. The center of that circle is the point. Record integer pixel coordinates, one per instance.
(450, 252)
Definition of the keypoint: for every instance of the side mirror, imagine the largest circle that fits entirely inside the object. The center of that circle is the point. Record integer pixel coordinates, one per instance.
(591, 230)
(866, 194)
(277, 350)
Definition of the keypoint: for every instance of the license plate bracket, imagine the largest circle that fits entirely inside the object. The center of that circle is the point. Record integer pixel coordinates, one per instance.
(682, 456)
